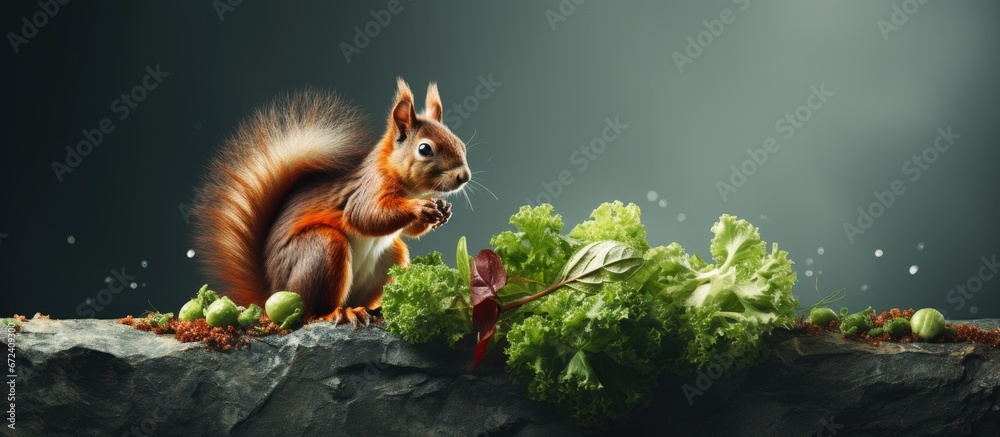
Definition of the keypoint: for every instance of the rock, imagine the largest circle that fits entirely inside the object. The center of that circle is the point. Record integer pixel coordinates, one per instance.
(825, 386)
(96, 377)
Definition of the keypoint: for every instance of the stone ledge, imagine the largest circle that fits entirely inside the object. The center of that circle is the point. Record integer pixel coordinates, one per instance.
(96, 377)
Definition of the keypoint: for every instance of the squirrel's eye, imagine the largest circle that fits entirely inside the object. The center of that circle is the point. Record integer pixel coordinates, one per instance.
(424, 149)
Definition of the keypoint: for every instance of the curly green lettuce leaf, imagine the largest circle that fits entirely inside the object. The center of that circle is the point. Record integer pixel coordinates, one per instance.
(593, 346)
(613, 221)
(425, 300)
(596, 355)
(728, 308)
(537, 251)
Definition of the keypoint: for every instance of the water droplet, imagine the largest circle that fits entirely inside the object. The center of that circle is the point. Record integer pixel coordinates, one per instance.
(914, 269)
(144, 264)
(809, 273)
(681, 217)
(90, 300)
(143, 284)
(821, 250)
(190, 253)
(651, 195)
(878, 253)
(864, 287)
(763, 216)
(663, 203)
(133, 285)
(107, 279)
(809, 261)
(71, 239)
(920, 246)
(973, 309)
(819, 272)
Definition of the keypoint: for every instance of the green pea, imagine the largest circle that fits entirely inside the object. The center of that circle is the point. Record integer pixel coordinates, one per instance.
(191, 311)
(284, 308)
(822, 316)
(927, 323)
(222, 313)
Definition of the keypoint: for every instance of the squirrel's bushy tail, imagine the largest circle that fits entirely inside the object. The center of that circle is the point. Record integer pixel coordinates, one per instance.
(269, 155)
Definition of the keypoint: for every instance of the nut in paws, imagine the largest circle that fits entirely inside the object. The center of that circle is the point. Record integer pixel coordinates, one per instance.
(445, 209)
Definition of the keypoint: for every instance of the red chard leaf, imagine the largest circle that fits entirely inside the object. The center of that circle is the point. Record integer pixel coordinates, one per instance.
(485, 317)
(488, 276)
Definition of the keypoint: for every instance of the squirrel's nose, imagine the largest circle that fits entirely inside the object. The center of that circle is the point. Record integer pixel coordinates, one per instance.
(463, 176)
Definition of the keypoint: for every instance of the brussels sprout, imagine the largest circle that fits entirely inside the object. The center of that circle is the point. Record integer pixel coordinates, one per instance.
(206, 296)
(191, 311)
(857, 322)
(895, 328)
(822, 316)
(250, 315)
(196, 307)
(159, 319)
(927, 323)
(222, 313)
(284, 308)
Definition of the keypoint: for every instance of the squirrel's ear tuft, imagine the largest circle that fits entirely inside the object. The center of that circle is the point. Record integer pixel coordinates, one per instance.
(432, 107)
(403, 115)
(403, 90)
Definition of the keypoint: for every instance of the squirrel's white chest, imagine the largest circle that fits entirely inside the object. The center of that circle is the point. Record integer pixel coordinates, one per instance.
(367, 262)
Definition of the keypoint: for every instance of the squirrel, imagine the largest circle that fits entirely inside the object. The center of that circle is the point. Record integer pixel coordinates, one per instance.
(298, 199)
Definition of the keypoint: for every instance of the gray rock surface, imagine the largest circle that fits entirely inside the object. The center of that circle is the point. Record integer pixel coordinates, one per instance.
(825, 386)
(96, 377)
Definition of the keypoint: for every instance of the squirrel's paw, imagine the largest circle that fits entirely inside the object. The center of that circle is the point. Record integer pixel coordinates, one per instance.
(430, 213)
(445, 208)
(357, 317)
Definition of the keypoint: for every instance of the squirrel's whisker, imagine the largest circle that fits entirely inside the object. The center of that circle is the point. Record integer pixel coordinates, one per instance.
(485, 188)
(474, 132)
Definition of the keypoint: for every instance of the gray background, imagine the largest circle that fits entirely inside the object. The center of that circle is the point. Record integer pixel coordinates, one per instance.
(557, 86)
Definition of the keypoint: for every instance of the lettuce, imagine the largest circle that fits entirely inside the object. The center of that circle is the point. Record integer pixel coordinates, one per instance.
(594, 355)
(425, 300)
(613, 221)
(593, 347)
(537, 251)
(728, 308)
(588, 320)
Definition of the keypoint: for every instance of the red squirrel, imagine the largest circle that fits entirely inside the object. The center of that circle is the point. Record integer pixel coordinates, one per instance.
(298, 199)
